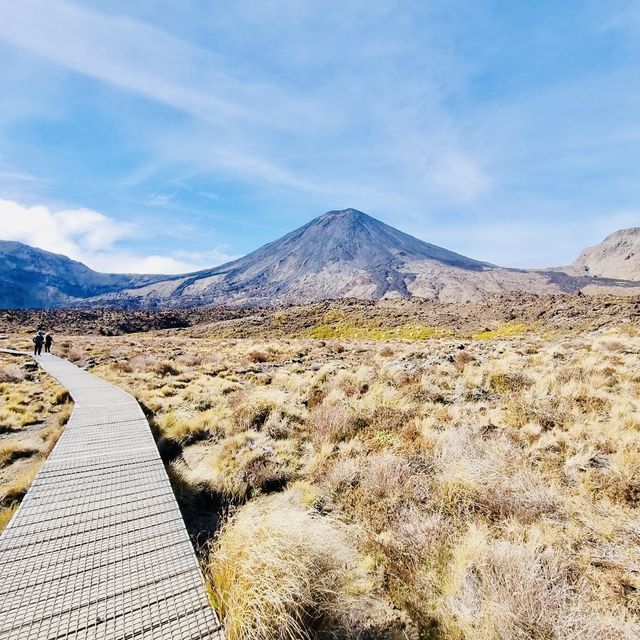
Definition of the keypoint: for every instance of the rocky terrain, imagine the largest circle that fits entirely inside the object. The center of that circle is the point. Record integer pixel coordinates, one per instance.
(341, 254)
(384, 319)
(420, 319)
(33, 278)
(110, 322)
(618, 256)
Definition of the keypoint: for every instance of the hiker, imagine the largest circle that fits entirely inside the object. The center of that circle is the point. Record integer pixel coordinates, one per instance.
(48, 341)
(38, 341)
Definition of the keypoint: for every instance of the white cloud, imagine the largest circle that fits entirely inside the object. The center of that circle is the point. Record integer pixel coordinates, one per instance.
(74, 232)
(92, 238)
(141, 59)
(124, 262)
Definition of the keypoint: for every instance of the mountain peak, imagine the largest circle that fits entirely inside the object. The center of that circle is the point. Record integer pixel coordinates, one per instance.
(343, 253)
(349, 218)
(338, 214)
(617, 256)
(631, 232)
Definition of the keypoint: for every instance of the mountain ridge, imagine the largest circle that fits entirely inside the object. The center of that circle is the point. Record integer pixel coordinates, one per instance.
(340, 254)
(44, 277)
(617, 256)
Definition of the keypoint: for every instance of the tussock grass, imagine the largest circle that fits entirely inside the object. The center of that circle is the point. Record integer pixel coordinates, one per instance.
(280, 570)
(490, 486)
(18, 485)
(11, 373)
(33, 412)
(12, 450)
(245, 464)
(6, 513)
(345, 330)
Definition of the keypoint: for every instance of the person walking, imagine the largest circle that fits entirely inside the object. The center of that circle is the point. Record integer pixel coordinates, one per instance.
(48, 341)
(38, 341)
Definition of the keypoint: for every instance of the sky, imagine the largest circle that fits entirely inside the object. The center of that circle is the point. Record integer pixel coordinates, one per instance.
(163, 136)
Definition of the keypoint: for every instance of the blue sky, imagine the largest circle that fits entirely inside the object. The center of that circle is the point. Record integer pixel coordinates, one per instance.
(163, 136)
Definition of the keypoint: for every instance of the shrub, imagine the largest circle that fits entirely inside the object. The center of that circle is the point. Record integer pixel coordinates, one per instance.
(165, 369)
(12, 374)
(509, 382)
(332, 422)
(279, 570)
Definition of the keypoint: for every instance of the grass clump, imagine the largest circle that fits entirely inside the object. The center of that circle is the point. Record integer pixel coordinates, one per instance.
(504, 330)
(346, 330)
(509, 382)
(6, 513)
(12, 450)
(281, 570)
(11, 374)
(243, 465)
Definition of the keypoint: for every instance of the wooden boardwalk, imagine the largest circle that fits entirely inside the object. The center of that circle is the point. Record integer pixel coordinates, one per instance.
(98, 548)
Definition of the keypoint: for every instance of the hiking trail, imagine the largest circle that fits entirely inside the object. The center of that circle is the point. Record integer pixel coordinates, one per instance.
(98, 548)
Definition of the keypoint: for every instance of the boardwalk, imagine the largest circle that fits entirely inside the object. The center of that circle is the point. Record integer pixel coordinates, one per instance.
(98, 548)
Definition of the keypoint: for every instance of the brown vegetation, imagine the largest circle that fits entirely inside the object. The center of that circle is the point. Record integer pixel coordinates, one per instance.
(483, 485)
(33, 412)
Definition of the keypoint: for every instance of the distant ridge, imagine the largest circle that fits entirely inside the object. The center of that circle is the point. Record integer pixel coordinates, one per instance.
(617, 256)
(33, 278)
(341, 254)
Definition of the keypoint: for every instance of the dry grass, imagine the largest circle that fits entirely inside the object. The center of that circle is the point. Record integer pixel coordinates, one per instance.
(6, 513)
(281, 570)
(490, 485)
(11, 373)
(13, 450)
(33, 412)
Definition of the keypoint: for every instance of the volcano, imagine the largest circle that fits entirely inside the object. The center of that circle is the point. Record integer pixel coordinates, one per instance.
(341, 254)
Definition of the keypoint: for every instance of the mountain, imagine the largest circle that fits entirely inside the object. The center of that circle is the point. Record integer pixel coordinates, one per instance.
(617, 256)
(33, 278)
(341, 254)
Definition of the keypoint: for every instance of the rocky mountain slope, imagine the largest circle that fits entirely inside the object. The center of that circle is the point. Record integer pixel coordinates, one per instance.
(341, 254)
(618, 256)
(505, 313)
(33, 278)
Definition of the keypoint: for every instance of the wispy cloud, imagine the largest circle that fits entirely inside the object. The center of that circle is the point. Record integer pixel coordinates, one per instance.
(446, 118)
(241, 115)
(144, 60)
(94, 239)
